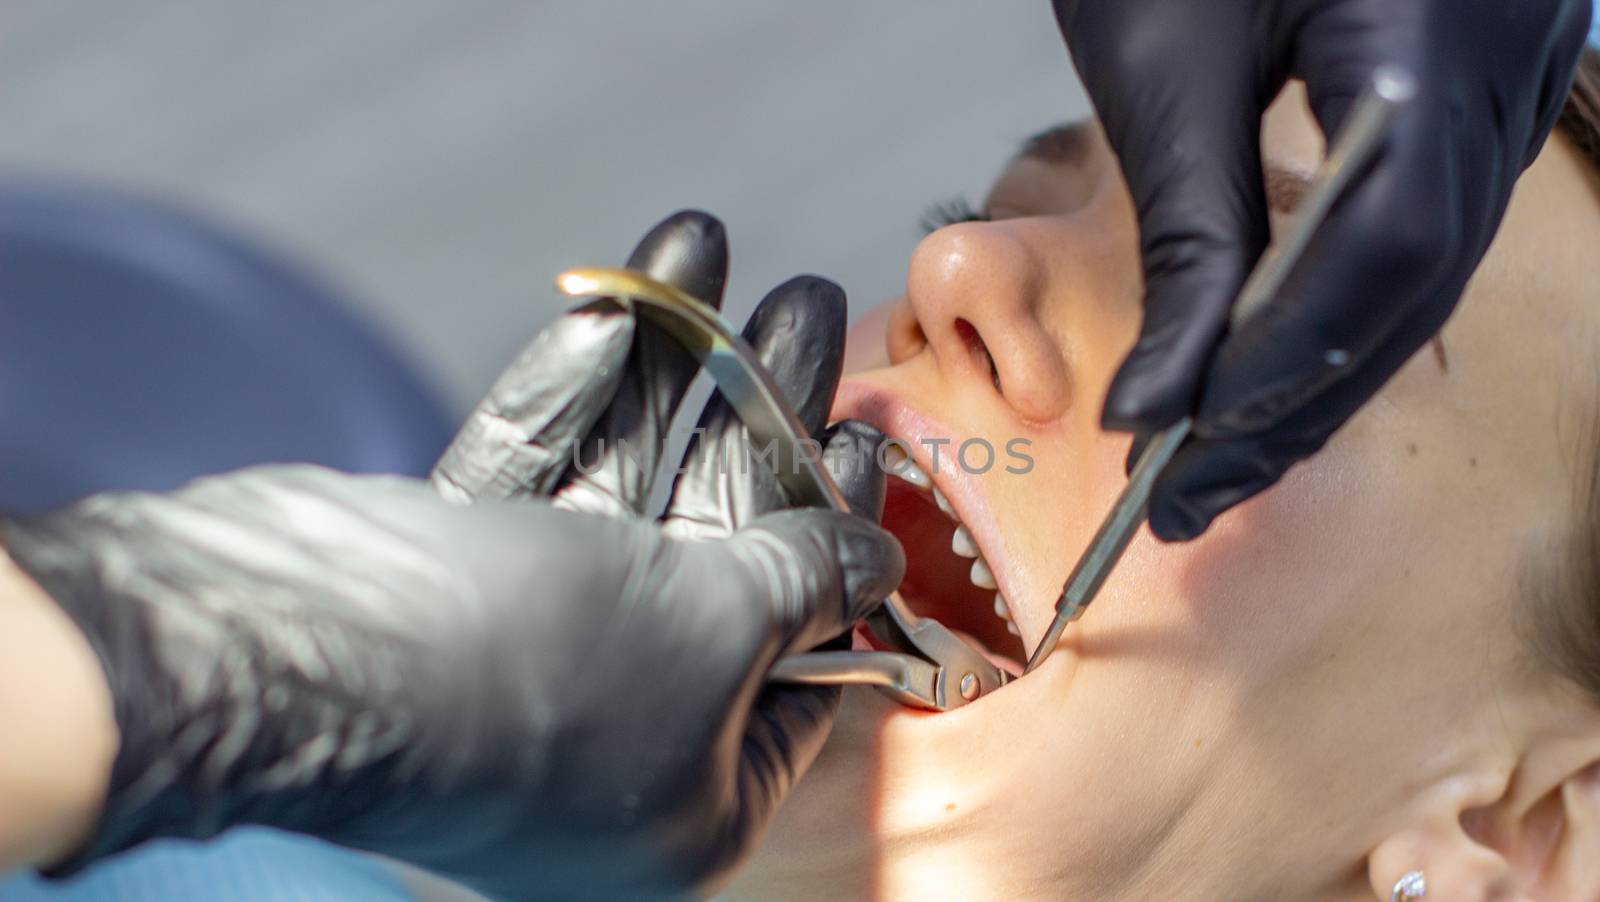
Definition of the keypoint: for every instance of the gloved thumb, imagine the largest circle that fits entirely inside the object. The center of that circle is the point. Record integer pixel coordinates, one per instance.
(1190, 153)
(1201, 228)
(819, 571)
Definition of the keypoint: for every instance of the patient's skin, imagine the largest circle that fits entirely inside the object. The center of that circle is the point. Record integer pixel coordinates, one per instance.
(1326, 690)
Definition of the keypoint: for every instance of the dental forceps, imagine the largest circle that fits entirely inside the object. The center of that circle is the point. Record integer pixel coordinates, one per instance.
(931, 667)
(1391, 87)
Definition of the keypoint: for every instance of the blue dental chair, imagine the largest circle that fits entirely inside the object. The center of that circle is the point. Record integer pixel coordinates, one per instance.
(140, 348)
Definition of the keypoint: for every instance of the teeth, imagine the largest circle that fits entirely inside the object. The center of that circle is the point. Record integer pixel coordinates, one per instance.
(914, 474)
(962, 543)
(982, 576)
(901, 465)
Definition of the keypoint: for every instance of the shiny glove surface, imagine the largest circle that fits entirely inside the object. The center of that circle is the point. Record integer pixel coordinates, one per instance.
(543, 703)
(1180, 86)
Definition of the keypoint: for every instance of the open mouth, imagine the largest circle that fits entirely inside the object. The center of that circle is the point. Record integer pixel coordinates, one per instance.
(948, 576)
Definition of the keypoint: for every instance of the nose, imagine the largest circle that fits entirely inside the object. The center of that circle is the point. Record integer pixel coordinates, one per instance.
(974, 294)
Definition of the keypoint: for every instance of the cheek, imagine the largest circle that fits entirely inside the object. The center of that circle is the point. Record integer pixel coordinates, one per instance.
(1360, 528)
(1284, 578)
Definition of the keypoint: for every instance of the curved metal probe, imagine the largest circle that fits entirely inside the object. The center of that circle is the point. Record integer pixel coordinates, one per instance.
(1368, 121)
(739, 375)
(941, 671)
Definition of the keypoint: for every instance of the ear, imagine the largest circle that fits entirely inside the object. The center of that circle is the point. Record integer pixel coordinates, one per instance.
(1573, 869)
(1512, 837)
(1456, 865)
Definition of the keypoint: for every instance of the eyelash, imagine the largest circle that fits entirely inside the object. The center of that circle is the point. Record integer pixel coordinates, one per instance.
(950, 212)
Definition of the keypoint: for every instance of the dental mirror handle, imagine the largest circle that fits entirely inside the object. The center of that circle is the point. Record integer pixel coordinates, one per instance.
(1390, 88)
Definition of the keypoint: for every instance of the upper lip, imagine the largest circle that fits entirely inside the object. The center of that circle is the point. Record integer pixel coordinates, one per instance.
(896, 419)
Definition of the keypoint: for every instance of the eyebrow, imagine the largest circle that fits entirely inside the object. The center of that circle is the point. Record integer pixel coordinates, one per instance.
(1068, 143)
(1071, 143)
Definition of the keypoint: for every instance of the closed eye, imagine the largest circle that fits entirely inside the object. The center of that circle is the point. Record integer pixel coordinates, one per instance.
(950, 212)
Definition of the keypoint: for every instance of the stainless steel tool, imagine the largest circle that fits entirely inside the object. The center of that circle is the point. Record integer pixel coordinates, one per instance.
(933, 667)
(1365, 126)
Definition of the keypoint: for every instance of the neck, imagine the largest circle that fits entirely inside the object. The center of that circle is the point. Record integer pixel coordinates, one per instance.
(900, 807)
(916, 807)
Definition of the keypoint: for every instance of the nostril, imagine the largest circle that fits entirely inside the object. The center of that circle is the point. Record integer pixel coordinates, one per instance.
(981, 294)
(980, 351)
(903, 336)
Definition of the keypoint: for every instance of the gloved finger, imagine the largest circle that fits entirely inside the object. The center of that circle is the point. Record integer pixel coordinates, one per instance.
(816, 571)
(1569, 34)
(1189, 151)
(797, 333)
(850, 455)
(616, 462)
(1378, 278)
(786, 730)
(520, 439)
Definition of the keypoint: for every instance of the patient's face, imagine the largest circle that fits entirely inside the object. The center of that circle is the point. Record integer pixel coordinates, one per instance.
(1243, 716)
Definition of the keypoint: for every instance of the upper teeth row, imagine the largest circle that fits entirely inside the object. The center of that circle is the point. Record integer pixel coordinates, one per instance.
(962, 542)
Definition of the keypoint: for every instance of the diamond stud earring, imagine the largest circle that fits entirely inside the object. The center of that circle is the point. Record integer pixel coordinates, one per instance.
(1411, 887)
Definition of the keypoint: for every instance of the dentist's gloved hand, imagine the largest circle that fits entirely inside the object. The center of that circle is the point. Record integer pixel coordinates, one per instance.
(1180, 86)
(544, 703)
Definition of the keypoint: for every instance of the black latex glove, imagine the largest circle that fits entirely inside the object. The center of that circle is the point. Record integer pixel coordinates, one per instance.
(1180, 86)
(540, 702)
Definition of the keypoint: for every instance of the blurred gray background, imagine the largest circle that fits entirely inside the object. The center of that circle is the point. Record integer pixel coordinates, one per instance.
(442, 161)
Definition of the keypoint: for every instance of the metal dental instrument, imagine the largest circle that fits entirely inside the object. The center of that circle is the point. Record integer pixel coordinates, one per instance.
(1365, 126)
(933, 667)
